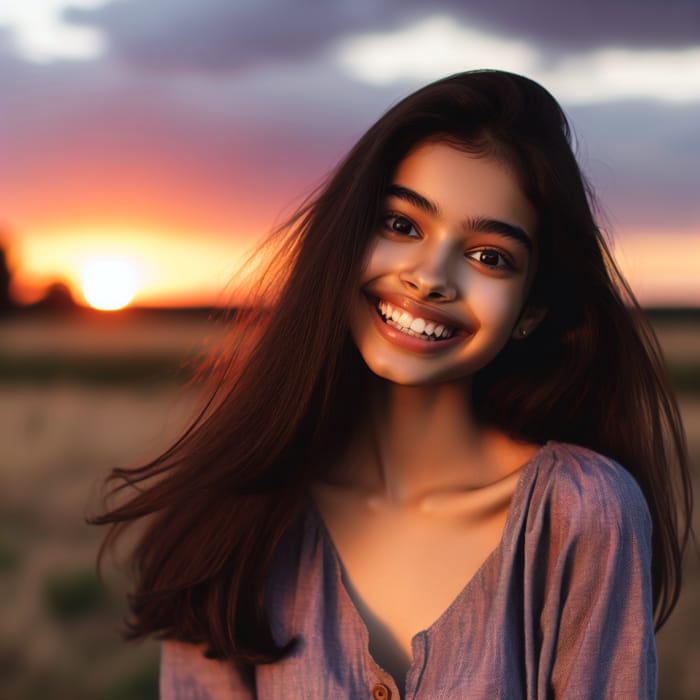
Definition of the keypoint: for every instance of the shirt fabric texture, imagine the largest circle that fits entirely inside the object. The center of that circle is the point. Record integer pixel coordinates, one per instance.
(562, 608)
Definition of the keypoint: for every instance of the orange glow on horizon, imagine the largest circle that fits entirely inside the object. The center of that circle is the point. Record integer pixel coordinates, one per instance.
(178, 268)
(166, 269)
(660, 266)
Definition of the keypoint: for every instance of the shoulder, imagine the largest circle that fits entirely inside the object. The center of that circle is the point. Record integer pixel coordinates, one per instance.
(587, 530)
(584, 489)
(187, 674)
(587, 566)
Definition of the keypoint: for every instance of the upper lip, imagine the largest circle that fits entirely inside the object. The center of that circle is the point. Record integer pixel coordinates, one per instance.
(419, 310)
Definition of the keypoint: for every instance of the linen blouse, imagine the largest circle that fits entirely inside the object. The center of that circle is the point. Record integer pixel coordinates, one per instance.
(561, 608)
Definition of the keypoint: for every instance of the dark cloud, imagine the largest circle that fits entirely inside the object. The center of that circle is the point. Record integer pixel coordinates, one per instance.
(215, 35)
(222, 35)
(581, 24)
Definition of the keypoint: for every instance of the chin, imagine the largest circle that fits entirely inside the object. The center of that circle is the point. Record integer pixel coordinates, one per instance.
(406, 374)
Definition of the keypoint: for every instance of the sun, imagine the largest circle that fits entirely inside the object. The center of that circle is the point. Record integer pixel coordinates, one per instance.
(108, 283)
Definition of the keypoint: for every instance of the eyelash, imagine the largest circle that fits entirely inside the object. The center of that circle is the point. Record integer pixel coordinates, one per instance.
(390, 221)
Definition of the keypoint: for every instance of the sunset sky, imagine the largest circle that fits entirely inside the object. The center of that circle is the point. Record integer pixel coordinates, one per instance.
(169, 135)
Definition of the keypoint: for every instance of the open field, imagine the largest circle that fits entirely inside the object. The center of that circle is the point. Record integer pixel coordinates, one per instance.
(59, 435)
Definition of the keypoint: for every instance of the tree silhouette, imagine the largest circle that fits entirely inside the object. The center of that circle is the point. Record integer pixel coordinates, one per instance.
(6, 302)
(57, 297)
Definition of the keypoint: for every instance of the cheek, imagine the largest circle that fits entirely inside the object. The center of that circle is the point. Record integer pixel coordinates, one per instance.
(384, 256)
(496, 303)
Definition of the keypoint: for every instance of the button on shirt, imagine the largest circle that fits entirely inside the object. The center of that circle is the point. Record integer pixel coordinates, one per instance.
(562, 608)
(381, 692)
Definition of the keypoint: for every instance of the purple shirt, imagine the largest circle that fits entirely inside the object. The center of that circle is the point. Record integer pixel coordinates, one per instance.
(562, 608)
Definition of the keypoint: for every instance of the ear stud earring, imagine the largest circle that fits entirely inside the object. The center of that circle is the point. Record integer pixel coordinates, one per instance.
(523, 332)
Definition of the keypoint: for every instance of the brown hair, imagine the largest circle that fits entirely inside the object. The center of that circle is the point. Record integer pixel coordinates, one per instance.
(217, 503)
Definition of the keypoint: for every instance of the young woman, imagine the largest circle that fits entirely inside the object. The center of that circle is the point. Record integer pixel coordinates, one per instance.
(408, 480)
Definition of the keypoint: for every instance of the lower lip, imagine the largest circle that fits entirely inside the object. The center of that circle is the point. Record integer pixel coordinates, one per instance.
(411, 342)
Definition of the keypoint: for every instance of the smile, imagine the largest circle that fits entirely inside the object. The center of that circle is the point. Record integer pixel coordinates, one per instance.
(425, 329)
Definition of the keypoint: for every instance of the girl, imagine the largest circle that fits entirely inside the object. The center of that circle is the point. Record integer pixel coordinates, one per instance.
(407, 481)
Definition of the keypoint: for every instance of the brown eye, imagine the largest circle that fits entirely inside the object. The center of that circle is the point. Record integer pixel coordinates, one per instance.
(491, 258)
(401, 225)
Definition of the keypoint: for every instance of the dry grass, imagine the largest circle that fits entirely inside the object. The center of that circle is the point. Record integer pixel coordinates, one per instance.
(58, 442)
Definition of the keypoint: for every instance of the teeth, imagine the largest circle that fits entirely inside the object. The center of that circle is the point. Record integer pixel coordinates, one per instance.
(417, 327)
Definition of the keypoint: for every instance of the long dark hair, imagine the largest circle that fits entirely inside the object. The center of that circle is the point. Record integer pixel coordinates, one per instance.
(217, 503)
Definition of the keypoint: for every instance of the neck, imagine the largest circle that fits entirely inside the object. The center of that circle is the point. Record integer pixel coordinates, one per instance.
(420, 442)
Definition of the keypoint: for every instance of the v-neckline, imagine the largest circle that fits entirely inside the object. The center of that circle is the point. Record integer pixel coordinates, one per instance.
(513, 509)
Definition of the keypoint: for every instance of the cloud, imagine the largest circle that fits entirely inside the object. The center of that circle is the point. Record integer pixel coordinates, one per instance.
(38, 30)
(220, 35)
(428, 50)
(379, 43)
(575, 25)
(438, 46)
(223, 35)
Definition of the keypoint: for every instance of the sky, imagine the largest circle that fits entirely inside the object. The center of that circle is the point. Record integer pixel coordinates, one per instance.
(171, 135)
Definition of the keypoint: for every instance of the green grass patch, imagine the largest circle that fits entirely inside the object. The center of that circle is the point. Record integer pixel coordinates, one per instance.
(685, 378)
(140, 684)
(94, 369)
(69, 595)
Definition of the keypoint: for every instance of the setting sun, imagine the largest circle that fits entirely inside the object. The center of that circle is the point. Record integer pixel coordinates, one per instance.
(108, 283)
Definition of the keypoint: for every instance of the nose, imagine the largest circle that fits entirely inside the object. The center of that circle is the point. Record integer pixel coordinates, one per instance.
(430, 276)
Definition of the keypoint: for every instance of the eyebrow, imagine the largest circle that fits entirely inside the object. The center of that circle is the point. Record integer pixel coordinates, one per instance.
(478, 223)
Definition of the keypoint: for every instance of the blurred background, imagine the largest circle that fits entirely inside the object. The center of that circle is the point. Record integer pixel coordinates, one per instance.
(145, 146)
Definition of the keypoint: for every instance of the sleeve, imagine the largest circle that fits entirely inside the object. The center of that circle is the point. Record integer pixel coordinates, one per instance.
(597, 627)
(186, 674)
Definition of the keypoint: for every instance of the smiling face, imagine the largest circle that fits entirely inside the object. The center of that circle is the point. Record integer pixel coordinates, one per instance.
(446, 278)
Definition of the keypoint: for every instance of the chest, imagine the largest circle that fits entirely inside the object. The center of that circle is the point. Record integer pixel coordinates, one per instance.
(402, 569)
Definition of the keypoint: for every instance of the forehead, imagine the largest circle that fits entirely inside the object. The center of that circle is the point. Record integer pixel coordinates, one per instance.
(465, 185)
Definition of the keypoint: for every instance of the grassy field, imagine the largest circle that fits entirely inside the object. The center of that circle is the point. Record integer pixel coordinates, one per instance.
(78, 398)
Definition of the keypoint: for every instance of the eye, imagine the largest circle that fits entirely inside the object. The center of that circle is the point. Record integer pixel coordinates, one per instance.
(400, 225)
(491, 258)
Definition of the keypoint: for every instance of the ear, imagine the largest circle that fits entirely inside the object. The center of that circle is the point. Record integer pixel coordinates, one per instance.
(528, 321)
